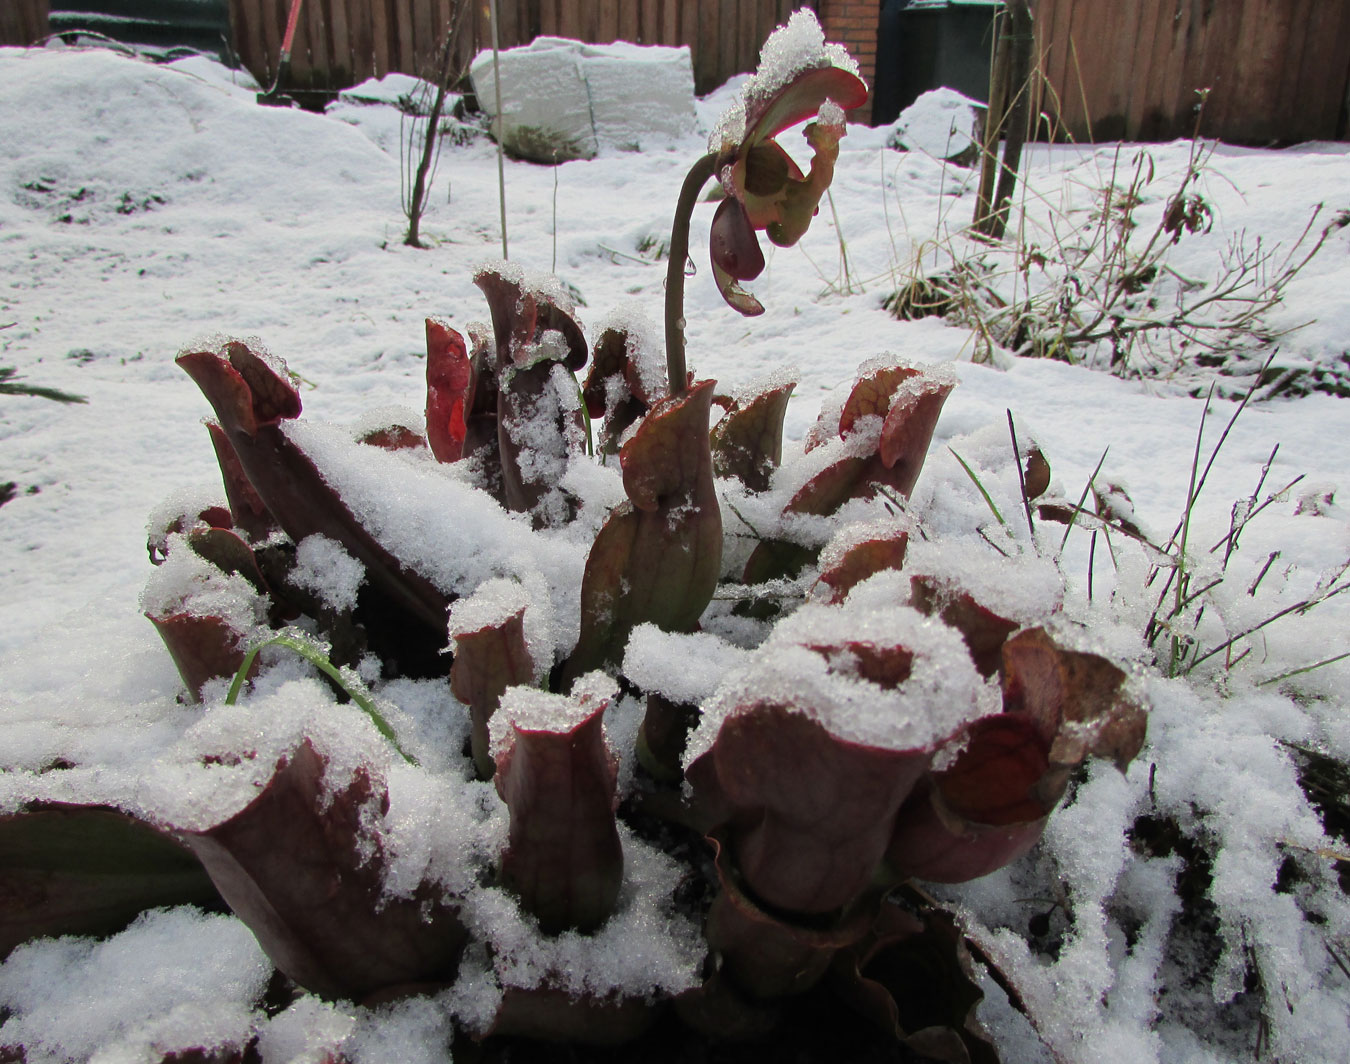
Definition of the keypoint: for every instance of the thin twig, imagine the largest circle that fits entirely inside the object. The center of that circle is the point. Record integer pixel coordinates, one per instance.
(1305, 668)
(1021, 478)
(1297, 607)
(1262, 574)
(1081, 499)
(985, 536)
(1186, 525)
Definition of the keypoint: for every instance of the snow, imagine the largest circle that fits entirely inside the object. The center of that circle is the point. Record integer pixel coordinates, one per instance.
(683, 667)
(941, 123)
(797, 45)
(174, 980)
(806, 664)
(322, 566)
(641, 950)
(145, 209)
(524, 709)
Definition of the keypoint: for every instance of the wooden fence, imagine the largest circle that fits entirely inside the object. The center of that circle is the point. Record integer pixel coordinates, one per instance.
(342, 42)
(22, 21)
(1277, 70)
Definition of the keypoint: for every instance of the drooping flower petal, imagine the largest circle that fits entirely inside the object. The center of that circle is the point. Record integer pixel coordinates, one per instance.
(760, 178)
(766, 189)
(801, 98)
(800, 199)
(735, 256)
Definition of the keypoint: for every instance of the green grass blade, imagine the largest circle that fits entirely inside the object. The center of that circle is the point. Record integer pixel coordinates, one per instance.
(976, 481)
(319, 660)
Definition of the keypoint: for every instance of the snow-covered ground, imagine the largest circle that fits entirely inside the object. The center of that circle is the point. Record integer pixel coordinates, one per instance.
(144, 209)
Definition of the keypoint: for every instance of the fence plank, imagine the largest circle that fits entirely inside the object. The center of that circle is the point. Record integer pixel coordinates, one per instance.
(648, 22)
(246, 32)
(23, 22)
(1275, 68)
(729, 18)
(362, 21)
(1292, 87)
(273, 25)
(319, 54)
(1146, 110)
(629, 16)
(608, 29)
(569, 18)
(1061, 70)
(707, 45)
(1217, 28)
(1139, 83)
(1176, 94)
(423, 46)
(747, 36)
(339, 43)
(379, 36)
(1323, 85)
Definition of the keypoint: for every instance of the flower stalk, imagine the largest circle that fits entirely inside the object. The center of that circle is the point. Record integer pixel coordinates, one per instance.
(694, 181)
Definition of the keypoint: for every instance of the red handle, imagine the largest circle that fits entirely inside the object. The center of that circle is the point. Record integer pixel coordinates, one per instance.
(291, 20)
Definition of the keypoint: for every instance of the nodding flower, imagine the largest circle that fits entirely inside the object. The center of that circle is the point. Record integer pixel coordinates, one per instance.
(765, 188)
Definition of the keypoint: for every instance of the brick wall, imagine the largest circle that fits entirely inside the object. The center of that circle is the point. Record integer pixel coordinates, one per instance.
(853, 23)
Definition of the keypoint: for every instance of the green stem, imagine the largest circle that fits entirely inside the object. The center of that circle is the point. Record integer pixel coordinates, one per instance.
(679, 253)
(316, 658)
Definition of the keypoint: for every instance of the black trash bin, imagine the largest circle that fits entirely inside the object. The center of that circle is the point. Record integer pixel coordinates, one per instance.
(931, 44)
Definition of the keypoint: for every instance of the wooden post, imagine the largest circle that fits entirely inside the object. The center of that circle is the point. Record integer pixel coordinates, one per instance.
(1016, 42)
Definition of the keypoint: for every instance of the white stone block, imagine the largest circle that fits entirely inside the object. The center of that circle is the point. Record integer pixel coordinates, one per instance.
(565, 100)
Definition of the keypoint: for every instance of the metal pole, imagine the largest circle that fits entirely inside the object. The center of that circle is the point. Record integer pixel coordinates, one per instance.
(501, 165)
